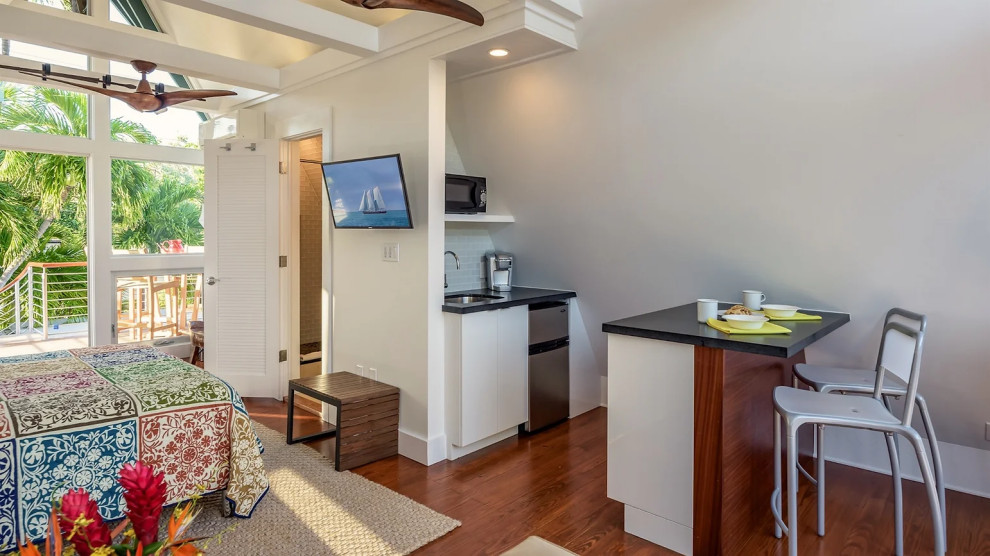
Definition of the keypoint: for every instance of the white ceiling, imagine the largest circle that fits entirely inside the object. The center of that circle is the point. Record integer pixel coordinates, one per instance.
(213, 33)
(523, 45)
(265, 48)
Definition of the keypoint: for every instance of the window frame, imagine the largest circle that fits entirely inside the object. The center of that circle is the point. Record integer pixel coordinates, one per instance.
(99, 149)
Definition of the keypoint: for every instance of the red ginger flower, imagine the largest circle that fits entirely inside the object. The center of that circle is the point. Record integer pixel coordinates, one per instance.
(144, 492)
(92, 533)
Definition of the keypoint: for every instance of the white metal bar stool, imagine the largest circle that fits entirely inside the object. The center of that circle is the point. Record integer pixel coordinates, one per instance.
(861, 381)
(801, 407)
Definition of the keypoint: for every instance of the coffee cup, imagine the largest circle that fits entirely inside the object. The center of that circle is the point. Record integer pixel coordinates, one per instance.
(753, 299)
(707, 309)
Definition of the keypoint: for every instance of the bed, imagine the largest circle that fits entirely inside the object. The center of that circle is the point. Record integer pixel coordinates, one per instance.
(72, 419)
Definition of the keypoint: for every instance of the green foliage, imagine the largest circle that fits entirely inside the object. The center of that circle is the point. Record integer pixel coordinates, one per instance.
(172, 211)
(43, 196)
(44, 110)
(18, 223)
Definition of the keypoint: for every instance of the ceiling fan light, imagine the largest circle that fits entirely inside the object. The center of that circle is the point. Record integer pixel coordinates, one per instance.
(498, 52)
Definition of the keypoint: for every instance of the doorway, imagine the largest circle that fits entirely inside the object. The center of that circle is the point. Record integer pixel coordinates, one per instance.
(307, 219)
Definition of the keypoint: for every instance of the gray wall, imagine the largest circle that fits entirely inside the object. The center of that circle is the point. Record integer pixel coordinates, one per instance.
(834, 154)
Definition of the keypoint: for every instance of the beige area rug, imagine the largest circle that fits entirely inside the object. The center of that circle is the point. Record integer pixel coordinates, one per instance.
(312, 509)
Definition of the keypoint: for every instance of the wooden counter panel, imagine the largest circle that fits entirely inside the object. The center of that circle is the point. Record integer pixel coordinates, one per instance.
(733, 445)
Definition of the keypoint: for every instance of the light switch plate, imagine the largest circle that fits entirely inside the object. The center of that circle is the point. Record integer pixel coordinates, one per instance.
(372, 373)
(359, 370)
(988, 431)
(390, 252)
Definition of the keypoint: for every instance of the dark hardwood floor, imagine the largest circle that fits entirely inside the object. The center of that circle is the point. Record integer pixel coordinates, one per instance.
(552, 484)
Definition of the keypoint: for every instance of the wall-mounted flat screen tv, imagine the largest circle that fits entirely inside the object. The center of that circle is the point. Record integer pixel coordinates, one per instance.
(368, 193)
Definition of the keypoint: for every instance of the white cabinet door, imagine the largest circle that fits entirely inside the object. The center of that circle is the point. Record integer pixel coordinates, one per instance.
(479, 376)
(513, 358)
(240, 300)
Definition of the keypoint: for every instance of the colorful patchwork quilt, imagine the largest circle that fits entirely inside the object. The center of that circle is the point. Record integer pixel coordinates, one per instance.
(72, 419)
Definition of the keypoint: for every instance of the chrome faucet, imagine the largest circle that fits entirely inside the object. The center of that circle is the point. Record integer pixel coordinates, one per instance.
(457, 262)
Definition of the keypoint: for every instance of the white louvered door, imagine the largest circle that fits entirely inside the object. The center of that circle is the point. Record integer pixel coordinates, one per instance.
(240, 294)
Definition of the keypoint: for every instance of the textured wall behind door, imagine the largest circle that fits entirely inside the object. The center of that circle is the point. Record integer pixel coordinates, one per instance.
(310, 241)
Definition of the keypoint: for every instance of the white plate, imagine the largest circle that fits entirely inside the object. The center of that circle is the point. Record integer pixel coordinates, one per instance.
(721, 312)
(746, 322)
(780, 311)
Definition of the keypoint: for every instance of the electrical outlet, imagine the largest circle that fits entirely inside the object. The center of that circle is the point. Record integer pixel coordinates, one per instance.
(372, 373)
(359, 370)
(390, 252)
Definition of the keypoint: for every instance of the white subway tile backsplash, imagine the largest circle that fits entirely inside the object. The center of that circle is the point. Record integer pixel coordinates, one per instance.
(470, 243)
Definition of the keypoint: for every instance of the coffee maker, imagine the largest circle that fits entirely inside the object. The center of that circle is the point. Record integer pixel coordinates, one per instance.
(499, 267)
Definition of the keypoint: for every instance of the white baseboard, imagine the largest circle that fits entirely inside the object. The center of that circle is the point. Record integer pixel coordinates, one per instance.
(658, 530)
(455, 452)
(420, 450)
(966, 469)
(437, 449)
(578, 407)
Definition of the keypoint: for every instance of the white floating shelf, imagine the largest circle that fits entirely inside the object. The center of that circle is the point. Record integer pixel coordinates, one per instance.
(479, 218)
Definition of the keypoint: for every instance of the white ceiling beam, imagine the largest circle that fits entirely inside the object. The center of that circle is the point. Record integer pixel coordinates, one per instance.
(570, 9)
(37, 24)
(212, 105)
(295, 19)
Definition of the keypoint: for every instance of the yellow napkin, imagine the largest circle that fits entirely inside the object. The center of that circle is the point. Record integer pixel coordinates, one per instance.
(796, 316)
(768, 328)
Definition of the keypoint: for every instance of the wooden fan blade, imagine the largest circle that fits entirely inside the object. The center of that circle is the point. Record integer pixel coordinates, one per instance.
(175, 97)
(138, 101)
(449, 8)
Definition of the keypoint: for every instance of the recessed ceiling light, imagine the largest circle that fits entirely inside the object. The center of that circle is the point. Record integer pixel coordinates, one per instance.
(498, 52)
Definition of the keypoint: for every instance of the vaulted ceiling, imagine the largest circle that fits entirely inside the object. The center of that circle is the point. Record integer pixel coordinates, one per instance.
(263, 48)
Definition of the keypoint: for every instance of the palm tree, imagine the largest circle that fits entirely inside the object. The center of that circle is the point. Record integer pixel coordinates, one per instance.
(53, 182)
(18, 224)
(172, 212)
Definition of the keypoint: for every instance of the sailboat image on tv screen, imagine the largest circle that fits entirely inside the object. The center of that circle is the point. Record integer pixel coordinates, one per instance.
(372, 202)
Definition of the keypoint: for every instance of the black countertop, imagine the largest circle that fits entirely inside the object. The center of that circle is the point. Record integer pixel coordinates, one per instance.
(516, 296)
(680, 325)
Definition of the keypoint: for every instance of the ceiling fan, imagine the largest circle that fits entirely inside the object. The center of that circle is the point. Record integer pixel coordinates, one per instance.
(144, 98)
(449, 8)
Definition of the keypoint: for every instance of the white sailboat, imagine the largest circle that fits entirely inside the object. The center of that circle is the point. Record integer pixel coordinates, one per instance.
(372, 202)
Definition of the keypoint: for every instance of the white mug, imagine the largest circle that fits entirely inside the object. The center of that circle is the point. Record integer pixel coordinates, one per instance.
(707, 309)
(753, 299)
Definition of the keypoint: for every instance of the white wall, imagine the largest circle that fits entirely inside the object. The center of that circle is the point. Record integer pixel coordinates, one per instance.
(380, 308)
(849, 139)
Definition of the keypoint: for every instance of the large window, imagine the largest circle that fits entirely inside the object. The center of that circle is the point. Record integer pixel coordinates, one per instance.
(176, 127)
(43, 54)
(78, 6)
(42, 244)
(154, 205)
(43, 110)
(154, 307)
(157, 207)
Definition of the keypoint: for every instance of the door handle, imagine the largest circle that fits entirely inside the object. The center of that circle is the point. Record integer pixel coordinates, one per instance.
(211, 281)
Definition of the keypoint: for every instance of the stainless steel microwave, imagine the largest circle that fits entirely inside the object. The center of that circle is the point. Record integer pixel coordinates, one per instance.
(465, 194)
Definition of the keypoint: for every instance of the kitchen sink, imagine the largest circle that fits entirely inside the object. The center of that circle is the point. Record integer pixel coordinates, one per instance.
(472, 298)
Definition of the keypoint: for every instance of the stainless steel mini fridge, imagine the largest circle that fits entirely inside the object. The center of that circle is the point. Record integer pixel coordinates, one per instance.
(549, 365)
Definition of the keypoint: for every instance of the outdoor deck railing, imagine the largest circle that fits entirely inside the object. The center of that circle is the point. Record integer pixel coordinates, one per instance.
(44, 296)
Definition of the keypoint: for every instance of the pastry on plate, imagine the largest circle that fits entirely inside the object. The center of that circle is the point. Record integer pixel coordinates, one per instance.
(738, 310)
